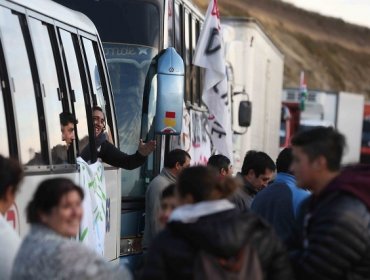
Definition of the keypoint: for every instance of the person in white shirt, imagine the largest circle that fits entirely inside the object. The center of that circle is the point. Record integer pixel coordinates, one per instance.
(11, 174)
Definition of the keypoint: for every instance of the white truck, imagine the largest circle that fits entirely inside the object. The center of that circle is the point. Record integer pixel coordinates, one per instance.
(255, 73)
(343, 110)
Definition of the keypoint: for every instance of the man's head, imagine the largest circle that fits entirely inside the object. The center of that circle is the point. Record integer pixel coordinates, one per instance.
(168, 204)
(99, 120)
(258, 169)
(316, 153)
(67, 126)
(284, 161)
(11, 174)
(222, 164)
(176, 160)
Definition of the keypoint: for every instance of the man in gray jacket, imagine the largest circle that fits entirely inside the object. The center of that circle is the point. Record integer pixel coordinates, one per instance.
(175, 161)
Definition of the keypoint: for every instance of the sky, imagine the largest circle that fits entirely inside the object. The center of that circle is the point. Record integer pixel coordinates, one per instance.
(353, 11)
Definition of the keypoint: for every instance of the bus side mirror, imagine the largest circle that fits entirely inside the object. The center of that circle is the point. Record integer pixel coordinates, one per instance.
(170, 93)
(245, 113)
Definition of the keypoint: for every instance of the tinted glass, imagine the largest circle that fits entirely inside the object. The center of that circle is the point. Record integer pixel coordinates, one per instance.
(76, 86)
(128, 66)
(49, 84)
(124, 21)
(24, 100)
(178, 20)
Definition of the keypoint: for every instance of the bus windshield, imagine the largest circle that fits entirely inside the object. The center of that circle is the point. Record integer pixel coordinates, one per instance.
(128, 65)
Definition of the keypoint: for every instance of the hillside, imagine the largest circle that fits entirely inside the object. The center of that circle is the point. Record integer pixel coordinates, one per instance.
(335, 55)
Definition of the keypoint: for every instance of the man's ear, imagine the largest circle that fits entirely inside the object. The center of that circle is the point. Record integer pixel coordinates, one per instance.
(251, 174)
(178, 166)
(320, 163)
(223, 172)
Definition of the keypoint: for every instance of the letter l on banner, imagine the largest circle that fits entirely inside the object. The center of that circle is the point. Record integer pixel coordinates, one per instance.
(209, 54)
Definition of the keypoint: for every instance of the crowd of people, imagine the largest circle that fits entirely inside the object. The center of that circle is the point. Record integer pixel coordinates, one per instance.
(303, 216)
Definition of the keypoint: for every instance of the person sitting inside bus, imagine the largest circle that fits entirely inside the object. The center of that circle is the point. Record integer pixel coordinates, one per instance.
(109, 153)
(59, 153)
(48, 251)
(67, 124)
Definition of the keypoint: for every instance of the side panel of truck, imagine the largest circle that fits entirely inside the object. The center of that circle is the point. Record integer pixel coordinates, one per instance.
(257, 67)
(349, 123)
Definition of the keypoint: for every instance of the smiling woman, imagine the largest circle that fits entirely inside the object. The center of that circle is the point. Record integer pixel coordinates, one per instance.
(47, 252)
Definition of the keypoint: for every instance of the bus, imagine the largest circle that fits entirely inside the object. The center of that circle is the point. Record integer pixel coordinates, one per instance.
(51, 61)
(132, 33)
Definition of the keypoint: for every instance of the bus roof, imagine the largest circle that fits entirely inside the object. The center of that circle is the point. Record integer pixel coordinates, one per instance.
(56, 11)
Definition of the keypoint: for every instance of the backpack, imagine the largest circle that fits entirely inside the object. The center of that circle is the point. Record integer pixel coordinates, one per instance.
(245, 265)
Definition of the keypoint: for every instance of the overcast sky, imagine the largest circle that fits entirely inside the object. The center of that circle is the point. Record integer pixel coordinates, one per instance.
(354, 11)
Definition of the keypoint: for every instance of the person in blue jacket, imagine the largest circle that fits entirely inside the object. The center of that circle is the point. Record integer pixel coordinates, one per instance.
(280, 202)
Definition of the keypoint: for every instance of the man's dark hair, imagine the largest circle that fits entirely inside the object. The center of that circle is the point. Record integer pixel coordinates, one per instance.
(174, 156)
(97, 108)
(219, 162)
(284, 160)
(322, 141)
(258, 162)
(66, 118)
(11, 173)
(169, 191)
(48, 195)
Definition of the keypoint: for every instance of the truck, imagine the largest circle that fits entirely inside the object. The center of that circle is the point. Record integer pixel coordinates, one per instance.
(255, 73)
(341, 110)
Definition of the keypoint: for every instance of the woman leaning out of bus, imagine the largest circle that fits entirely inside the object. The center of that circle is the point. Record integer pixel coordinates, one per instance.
(48, 251)
(208, 227)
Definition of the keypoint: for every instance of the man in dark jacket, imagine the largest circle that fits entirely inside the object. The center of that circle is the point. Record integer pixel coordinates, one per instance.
(109, 153)
(257, 171)
(280, 202)
(335, 240)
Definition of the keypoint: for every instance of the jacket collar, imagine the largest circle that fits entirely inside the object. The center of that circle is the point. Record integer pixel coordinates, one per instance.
(168, 174)
(190, 213)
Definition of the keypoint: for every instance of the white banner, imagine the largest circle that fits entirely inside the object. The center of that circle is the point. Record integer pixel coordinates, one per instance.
(92, 228)
(200, 142)
(209, 54)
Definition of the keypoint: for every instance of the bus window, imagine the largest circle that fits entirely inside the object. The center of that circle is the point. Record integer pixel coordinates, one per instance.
(194, 80)
(178, 35)
(49, 85)
(4, 145)
(170, 24)
(187, 59)
(25, 110)
(76, 85)
(94, 73)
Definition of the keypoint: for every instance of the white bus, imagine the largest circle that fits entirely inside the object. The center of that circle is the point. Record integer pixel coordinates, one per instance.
(51, 61)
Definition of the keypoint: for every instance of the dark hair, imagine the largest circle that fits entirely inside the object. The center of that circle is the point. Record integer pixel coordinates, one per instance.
(169, 191)
(322, 141)
(11, 173)
(219, 162)
(258, 162)
(48, 195)
(175, 156)
(284, 160)
(201, 181)
(98, 108)
(66, 118)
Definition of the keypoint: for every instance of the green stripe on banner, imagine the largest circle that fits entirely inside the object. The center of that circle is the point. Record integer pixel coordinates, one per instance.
(84, 233)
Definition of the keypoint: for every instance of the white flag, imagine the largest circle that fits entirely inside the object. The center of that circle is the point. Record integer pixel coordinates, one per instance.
(209, 54)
